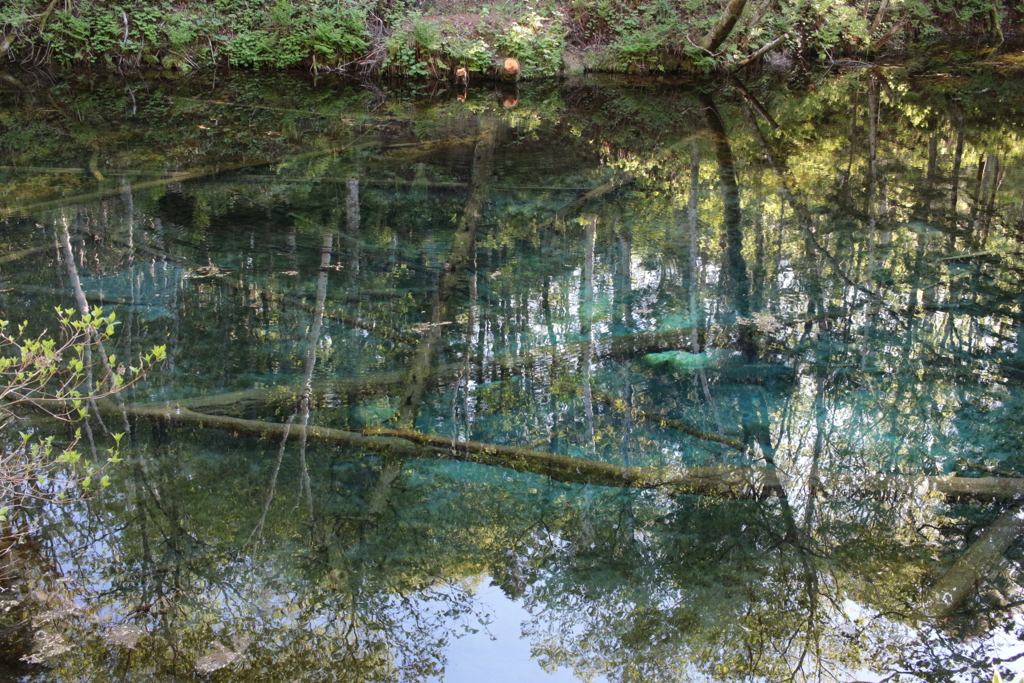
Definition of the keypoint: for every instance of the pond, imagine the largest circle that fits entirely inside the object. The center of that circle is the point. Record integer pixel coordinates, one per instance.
(601, 379)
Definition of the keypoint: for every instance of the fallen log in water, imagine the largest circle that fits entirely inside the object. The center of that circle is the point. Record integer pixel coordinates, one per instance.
(738, 482)
(239, 402)
(717, 481)
(678, 425)
(623, 347)
(727, 482)
(22, 253)
(183, 176)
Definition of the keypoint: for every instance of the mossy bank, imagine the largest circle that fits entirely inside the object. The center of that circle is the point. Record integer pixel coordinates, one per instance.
(433, 38)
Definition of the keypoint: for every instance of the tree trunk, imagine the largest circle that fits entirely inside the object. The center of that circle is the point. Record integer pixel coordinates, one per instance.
(717, 35)
(422, 369)
(878, 17)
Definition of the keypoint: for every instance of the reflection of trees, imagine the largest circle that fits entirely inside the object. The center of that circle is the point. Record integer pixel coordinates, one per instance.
(192, 608)
(837, 340)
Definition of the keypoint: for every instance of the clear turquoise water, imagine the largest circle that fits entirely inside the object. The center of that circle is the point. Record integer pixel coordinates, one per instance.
(826, 278)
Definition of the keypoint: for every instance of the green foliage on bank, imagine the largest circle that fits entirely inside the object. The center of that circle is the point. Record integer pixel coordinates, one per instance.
(320, 34)
(186, 36)
(398, 37)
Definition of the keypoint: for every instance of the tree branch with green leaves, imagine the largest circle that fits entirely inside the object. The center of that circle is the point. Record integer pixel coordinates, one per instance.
(51, 375)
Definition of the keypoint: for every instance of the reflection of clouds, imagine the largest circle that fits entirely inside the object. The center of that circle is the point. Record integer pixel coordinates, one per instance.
(219, 655)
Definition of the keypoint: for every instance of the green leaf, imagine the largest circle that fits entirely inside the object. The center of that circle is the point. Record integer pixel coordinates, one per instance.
(71, 457)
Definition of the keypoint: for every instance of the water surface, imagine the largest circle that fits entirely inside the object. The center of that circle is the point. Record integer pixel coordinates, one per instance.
(630, 380)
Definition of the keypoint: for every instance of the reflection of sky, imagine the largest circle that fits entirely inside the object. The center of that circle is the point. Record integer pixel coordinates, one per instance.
(499, 653)
(998, 644)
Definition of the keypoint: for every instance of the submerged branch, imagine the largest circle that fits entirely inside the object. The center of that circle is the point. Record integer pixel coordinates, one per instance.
(460, 256)
(338, 390)
(622, 347)
(182, 176)
(677, 425)
(608, 187)
(590, 196)
(358, 323)
(22, 253)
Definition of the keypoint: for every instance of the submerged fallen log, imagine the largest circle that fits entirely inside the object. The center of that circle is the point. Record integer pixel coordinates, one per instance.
(951, 487)
(590, 196)
(239, 402)
(718, 481)
(92, 297)
(725, 482)
(183, 176)
(22, 253)
(678, 425)
(622, 347)
(339, 317)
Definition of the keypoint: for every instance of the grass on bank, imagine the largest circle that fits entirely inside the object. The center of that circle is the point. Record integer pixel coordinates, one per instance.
(432, 38)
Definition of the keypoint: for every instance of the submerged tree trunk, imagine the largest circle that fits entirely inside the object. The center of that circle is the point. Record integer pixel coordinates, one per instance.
(718, 481)
(623, 347)
(729, 482)
(460, 256)
(586, 313)
(693, 259)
